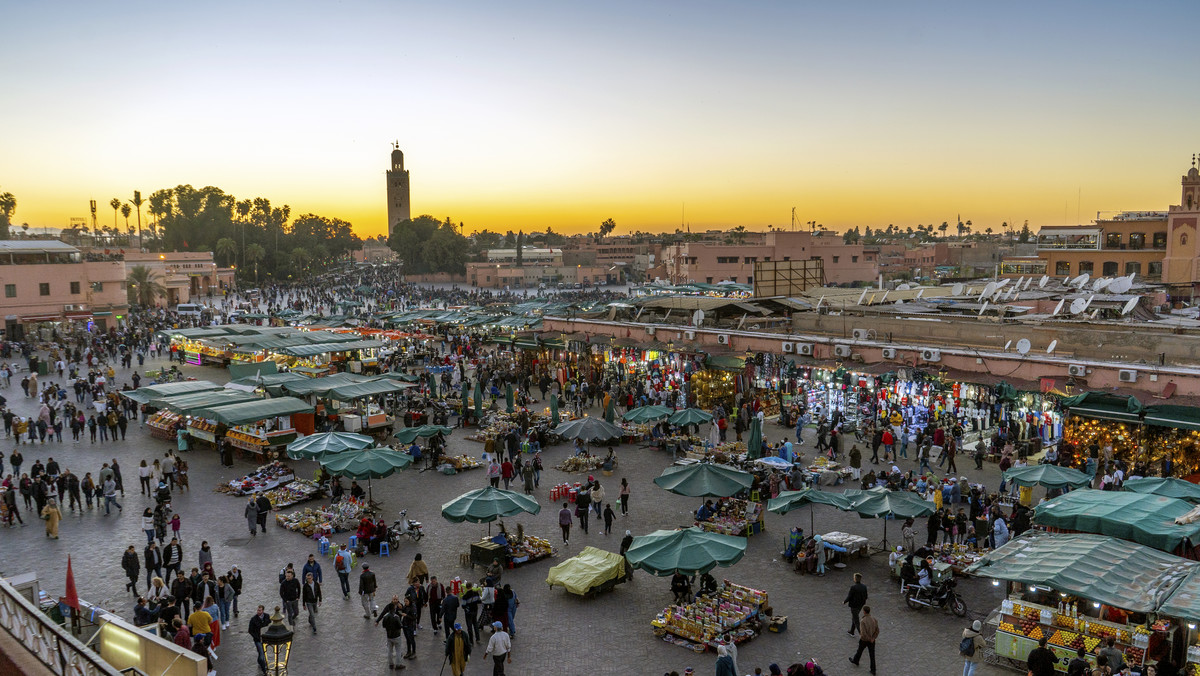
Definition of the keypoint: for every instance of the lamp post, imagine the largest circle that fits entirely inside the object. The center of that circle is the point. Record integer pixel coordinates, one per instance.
(277, 645)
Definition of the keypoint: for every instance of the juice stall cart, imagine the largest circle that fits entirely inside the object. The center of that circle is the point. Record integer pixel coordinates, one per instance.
(263, 427)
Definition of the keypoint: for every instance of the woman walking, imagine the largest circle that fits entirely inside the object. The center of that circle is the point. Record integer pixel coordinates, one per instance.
(52, 516)
(624, 495)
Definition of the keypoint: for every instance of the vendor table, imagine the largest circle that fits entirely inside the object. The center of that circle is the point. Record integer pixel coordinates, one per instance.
(697, 625)
(847, 543)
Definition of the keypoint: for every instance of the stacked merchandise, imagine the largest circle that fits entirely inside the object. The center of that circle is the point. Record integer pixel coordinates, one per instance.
(735, 517)
(317, 521)
(700, 623)
(264, 478)
(162, 424)
(300, 490)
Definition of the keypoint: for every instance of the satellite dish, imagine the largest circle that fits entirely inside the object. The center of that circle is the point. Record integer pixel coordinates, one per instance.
(1027, 283)
(920, 293)
(1080, 280)
(983, 307)
(697, 317)
(1016, 297)
(988, 291)
(1100, 283)
(1042, 281)
(862, 296)
(1058, 308)
(881, 300)
(1050, 348)
(1023, 346)
(1002, 283)
(903, 287)
(1006, 345)
(1132, 303)
(1089, 302)
(1078, 305)
(1019, 280)
(1121, 284)
(957, 289)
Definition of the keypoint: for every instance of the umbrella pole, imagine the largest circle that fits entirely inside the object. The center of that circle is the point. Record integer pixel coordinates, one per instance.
(883, 544)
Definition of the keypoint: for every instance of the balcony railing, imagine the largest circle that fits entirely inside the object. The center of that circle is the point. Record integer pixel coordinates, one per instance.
(51, 644)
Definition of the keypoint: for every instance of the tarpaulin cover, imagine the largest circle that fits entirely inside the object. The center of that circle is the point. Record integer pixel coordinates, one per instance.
(325, 384)
(1165, 486)
(251, 411)
(1104, 406)
(1048, 476)
(590, 568)
(251, 368)
(1138, 517)
(1169, 415)
(186, 403)
(143, 395)
(359, 390)
(1097, 567)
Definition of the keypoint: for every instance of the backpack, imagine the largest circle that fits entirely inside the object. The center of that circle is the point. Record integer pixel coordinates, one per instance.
(339, 562)
(967, 646)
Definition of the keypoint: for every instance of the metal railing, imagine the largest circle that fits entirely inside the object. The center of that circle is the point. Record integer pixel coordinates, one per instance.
(51, 644)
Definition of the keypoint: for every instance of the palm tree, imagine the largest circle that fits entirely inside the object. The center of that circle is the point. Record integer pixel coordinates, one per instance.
(254, 254)
(943, 228)
(143, 287)
(115, 203)
(226, 247)
(137, 202)
(125, 211)
(300, 257)
(8, 207)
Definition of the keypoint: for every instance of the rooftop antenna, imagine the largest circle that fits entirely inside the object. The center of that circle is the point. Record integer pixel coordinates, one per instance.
(1058, 308)
(1050, 348)
(1023, 346)
(1042, 281)
(1129, 305)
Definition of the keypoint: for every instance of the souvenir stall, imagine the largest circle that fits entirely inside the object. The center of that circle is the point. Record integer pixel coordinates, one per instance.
(734, 609)
(1172, 440)
(1104, 420)
(735, 516)
(316, 522)
(264, 427)
(1033, 415)
(511, 549)
(1044, 598)
(666, 373)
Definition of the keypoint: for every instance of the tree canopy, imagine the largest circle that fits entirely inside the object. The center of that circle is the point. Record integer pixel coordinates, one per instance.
(426, 245)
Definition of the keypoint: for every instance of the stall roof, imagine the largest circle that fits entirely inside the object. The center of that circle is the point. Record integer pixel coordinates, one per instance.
(251, 411)
(200, 332)
(1184, 602)
(186, 403)
(725, 363)
(322, 385)
(1105, 406)
(143, 395)
(246, 369)
(366, 389)
(1097, 567)
(1138, 517)
(322, 348)
(1170, 415)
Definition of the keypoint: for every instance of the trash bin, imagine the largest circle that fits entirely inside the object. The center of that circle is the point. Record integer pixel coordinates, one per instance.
(43, 368)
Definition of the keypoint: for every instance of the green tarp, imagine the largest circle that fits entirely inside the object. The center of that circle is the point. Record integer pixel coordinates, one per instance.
(1138, 517)
(1168, 487)
(1097, 567)
(488, 504)
(704, 480)
(252, 411)
(590, 568)
(272, 383)
(186, 403)
(366, 389)
(143, 395)
(321, 348)
(1184, 601)
(726, 363)
(246, 369)
(1048, 476)
(1104, 406)
(320, 386)
(1179, 417)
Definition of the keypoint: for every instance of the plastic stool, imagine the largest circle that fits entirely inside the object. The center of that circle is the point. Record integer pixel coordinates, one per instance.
(353, 542)
(384, 550)
(323, 546)
(755, 497)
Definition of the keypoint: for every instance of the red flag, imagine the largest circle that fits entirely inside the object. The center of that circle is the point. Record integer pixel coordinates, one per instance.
(72, 596)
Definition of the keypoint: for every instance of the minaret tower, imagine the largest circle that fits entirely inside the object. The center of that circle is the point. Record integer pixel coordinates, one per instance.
(398, 207)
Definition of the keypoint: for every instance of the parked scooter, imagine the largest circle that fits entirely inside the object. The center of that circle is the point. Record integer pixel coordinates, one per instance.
(405, 526)
(939, 595)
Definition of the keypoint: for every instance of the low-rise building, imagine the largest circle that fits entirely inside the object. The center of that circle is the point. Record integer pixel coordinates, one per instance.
(188, 276)
(47, 283)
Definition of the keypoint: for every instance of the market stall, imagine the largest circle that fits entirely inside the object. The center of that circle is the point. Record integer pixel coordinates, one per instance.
(358, 404)
(1146, 519)
(589, 572)
(262, 427)
(488, 504)
(265, 478)
(734, 516)
(314, 522)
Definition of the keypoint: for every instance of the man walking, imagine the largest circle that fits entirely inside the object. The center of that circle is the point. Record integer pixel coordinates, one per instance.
(264, 508)
(366, 592)
(289, 593)
(394, 628)
(257, 624)
(110, 496)
(435, 592)
(867, 633)
(458, 650)
(856, 598)
(341, 564)
(312, 599)
(565, 520)
(500, 648)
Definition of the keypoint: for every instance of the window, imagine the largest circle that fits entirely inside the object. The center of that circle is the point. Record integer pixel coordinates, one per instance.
(1086, 266)
(1154, 269)
(1160, 240)
(1062, 268)
(708, 280)
(835, 259)
(74, 288)
(767, 259)
(97, 286)
(1137, 240)
(726, 260)
(854, 259)
(733, 279)
(1068, 240)
(1133, 267)
(44, 289)
(1112, 240)
(787, 258)
(10, 290)
(750, 279)
(751, 259)
(1110, 268)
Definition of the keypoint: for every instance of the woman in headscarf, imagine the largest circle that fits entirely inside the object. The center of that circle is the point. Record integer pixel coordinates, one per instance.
(724, 662)
(820, 554)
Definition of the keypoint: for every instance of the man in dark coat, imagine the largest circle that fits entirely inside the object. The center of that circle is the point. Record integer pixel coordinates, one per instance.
(264, 508)
(132, 567)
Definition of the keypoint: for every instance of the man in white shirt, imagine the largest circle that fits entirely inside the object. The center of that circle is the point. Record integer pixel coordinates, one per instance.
(500, 648)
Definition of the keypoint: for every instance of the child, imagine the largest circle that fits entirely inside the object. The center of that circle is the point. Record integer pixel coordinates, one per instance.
(175, 527)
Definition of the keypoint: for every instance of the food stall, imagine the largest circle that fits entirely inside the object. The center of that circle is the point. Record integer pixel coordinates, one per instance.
(162, 423)
(1079, 590)
(511, 549)
(1143, 518)
(263, 427)
(357, 404)
(314, 522)
(735, 516)
(734, 609)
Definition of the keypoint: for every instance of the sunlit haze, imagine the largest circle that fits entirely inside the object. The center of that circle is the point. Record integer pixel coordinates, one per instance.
(562, 114)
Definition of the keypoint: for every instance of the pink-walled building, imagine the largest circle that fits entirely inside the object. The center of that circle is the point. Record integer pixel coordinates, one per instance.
(188, 276)
(47, 283)
(734, 259)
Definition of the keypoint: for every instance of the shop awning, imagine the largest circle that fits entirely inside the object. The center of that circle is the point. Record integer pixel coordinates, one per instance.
(1097, 567)
(360, 390)
(322, 385)
(1138, 517)
(322, 348)
(1169, 415)
(143, 395)
(726, 363)
(271, 382)
(186, 403)
(248, 369)
(1104, 406)
(252, 411)
(1184, 602)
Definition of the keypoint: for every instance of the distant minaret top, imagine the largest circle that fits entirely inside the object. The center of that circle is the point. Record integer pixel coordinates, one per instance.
(397, 157)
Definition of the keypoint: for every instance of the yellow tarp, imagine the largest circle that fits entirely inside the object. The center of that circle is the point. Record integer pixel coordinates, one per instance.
(591, 568)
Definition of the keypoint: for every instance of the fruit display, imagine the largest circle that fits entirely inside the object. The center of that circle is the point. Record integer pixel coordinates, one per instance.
(1064, 630)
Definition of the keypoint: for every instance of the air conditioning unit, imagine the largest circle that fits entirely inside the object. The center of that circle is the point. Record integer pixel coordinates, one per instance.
(929, 354)
(1077, 370)
(889, 353)
(861, 334)
(650, 330)
(804, 349)
(690, 335)
(1127, 375)
(723, 338)
(842, 351)
(789, 348)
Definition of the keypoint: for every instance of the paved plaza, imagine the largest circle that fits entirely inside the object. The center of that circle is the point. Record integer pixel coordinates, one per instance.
(558, 633)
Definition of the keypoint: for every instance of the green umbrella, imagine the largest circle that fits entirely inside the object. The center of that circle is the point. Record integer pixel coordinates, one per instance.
(408, 434)
(488, 504)
(754, 445)
(433, 385)
(1169, 487)
(689, 416)
(889, 505)
(589, 429)
(369, 463)
(1050, 476)
(554, 409)
(704, 479)
(644, 414)
(610, 410)
(478, 402)
(466, 393)
(508, 398)
(688, 551)
(789, 500)
(316, 445)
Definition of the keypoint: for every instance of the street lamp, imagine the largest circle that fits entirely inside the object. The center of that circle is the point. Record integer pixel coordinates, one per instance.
(277, 644)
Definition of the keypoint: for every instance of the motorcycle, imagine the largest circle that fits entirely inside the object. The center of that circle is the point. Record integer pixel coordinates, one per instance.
(939, 595)
(405, 526)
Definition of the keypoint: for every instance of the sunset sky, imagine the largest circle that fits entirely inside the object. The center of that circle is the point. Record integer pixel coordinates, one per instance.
(523, 115)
